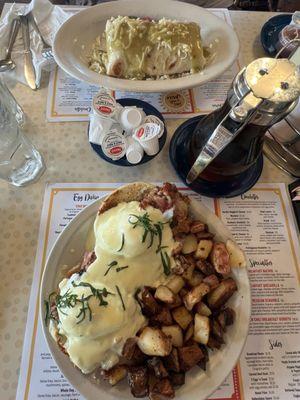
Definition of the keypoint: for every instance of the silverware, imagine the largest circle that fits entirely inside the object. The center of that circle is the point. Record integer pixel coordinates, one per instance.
(7, 63)
(47, 49)
(29, 70)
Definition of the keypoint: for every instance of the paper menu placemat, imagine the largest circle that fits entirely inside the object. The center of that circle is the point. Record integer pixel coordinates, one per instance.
(70, 100)
(262, 222)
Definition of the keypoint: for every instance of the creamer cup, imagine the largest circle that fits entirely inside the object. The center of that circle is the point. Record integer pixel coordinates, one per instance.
(134, 152)
(130, 118)
(104, 105)
(114, 144)
(147, 136)
(155, 120)
(98, 128)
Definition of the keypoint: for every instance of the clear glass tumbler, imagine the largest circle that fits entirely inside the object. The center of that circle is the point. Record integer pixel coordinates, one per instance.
(20, 162)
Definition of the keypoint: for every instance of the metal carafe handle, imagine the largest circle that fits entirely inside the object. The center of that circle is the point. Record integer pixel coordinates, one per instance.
(225, 132)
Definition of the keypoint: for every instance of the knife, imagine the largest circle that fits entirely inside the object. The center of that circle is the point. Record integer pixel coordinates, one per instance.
(29, 70)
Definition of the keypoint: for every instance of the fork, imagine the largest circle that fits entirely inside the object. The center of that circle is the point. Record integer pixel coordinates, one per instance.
(47, 49)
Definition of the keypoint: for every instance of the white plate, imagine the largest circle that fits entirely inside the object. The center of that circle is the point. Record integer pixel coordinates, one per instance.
(68, 250)
(73, 42)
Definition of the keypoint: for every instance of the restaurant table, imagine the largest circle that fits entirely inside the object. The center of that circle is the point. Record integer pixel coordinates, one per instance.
(69, 158)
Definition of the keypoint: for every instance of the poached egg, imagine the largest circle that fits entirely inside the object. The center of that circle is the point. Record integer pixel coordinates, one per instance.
(106, 313)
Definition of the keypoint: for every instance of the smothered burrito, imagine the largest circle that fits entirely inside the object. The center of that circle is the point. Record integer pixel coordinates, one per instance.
(148, 300)
(135, 48)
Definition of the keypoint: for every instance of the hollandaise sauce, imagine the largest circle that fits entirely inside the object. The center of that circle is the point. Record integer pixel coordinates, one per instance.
(97, 309)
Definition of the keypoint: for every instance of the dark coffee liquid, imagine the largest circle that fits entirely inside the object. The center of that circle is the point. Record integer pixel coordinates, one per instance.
(237, 157)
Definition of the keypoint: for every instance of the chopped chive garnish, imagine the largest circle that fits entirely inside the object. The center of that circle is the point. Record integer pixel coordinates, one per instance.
(159, 233)
(100, 294)
(150, 229)
(122, 244)
(119, 293)
(161, 248)
(121, 268)
(165, 259)
(145, 236)
(84, 307)
(112, 264)
(69, 300)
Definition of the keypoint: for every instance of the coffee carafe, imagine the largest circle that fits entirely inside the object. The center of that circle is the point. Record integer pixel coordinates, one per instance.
(220, 155)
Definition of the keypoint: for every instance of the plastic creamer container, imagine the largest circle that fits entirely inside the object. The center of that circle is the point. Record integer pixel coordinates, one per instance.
(114, 144)
(147, 136)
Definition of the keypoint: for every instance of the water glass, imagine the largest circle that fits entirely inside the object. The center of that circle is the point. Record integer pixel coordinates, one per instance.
(20, 162)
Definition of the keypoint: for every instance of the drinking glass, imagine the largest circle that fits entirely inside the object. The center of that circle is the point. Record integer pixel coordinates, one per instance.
(20, 162)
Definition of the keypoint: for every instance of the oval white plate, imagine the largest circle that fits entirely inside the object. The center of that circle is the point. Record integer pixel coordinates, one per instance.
(74, 39)
(68, 250)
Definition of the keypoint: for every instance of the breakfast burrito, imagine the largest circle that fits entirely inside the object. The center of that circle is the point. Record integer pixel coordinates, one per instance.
(138, 48)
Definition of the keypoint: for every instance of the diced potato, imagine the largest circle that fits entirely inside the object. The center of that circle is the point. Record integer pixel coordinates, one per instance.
(181, 264)
(217, 331)
(171, 362)
(221, 294)
(175, 283)
(190, 244)
(212, 281)
(115, 374)
(177, 302)
(229, 316)
(182, 316)
(205, 267)
(198, 226)
(183, 292)
(226, 317)
(189, 356)
(236, 255)
(132, 352)
(202, 309)
(189, 332)
(157, 366)
(164, 294)
(195, 295)
(213, 343)
(219, 258)
(147, 301)
(153, 342)
(138, 378)
(204, 235)
(196, 278)
(205, 359)
(177, 248)
(187, 274)
(201, 328)
(222, 320)
(164, 317)
(175, 333)
(204, 248)
(162, 388)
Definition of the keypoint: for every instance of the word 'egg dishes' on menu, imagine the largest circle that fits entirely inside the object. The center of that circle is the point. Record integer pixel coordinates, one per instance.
(147, 288)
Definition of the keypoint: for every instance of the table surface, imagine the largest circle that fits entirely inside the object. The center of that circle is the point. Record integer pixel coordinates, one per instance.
(69, 158)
